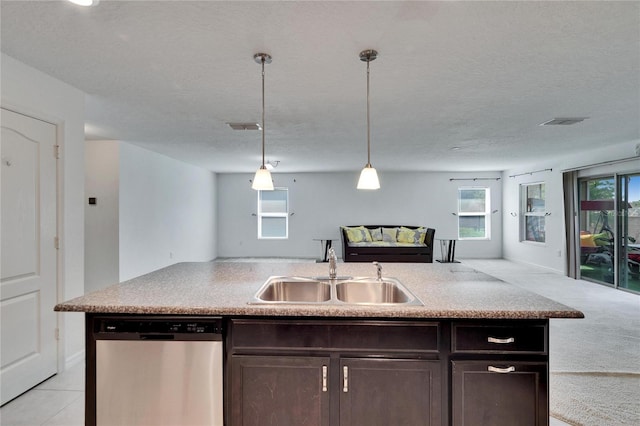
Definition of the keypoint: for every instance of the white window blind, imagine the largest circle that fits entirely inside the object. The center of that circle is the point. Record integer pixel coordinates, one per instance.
(273, 214)
(533, 212)
(474, 218)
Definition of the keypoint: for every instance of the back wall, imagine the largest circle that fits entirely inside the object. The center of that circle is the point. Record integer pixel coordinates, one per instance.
(319, 203)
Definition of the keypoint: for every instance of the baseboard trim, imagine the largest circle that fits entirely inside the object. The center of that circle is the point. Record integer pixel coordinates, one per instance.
(74, 359)
(547, 268)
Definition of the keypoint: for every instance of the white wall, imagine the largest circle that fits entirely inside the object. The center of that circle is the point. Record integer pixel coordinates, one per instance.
(34, 93)
(321, 202)
(101, 220)
(167, 212)
(552, 253)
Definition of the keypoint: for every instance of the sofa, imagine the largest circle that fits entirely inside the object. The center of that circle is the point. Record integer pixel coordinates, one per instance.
(387, 243)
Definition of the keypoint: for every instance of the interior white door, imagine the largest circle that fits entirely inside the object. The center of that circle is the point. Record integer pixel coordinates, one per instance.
(29, 255)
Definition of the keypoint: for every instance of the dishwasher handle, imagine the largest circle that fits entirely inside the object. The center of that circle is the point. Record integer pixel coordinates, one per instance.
(157, 337)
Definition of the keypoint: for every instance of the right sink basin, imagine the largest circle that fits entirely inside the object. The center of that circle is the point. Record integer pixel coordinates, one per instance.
(375, 292)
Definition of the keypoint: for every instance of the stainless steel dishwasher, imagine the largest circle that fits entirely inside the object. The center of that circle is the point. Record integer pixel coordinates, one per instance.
(159, 371)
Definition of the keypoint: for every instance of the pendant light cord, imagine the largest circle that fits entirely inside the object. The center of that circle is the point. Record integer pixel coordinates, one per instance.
(368, 121)
(263, 59)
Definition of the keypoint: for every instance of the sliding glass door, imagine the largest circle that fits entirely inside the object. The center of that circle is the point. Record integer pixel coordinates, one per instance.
(609, 221)
(597, 235)
(629, 225)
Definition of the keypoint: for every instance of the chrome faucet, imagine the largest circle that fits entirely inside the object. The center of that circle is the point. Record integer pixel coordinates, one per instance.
(333, 260)
(379, 269)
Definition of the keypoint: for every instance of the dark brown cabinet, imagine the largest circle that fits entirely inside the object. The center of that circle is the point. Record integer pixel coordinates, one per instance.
(498, 393)
(279, 391)
(499, 374)
(347, 373)
(383, 392)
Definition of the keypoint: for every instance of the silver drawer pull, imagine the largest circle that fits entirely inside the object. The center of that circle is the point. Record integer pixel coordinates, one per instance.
(501, 370)
(345, 379)
(501, 341)
(324, 378)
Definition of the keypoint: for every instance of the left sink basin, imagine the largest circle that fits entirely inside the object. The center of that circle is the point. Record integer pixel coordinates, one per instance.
(293, 290)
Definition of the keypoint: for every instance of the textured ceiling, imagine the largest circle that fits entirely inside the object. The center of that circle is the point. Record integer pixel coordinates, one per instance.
(479, 76)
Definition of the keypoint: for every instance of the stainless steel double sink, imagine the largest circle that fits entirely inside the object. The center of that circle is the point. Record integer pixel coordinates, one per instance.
(341, 290)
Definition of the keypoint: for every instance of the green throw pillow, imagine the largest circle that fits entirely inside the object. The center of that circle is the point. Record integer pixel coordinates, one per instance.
(390, 235)
(358, 234)
(411, 236)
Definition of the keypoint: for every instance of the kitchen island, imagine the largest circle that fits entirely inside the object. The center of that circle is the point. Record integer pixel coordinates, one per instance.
(474, 353)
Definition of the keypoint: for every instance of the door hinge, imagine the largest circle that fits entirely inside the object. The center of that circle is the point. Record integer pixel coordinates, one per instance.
(56, 243)
(56, 152)
(57, 333)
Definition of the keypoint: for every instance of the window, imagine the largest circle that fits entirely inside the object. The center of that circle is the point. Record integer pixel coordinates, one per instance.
(532, 207)
(474, 207)
(273, 213)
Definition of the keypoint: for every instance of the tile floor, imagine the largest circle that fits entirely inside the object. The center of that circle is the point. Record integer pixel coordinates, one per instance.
(59, 401)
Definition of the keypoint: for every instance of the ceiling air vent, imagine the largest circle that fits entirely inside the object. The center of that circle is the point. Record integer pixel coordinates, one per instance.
(245, 126)
(567, 121)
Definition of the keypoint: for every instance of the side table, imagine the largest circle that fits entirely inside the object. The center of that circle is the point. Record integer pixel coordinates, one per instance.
(325, 245)
(447, 250)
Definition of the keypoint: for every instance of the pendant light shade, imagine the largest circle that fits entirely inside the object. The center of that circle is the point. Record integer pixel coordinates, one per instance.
(85, 2)
(368, 176)
(262, 180)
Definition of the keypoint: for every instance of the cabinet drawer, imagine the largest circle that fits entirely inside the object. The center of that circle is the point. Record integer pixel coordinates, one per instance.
(348, 336)
(472, 338)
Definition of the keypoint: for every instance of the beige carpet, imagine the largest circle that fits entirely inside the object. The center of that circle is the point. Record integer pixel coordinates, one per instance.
(594, 362)
(595, 398)
(266, 259)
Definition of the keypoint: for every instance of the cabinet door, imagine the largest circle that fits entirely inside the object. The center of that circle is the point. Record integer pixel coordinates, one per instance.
(383, 392)
(499, 394)
(279, 391)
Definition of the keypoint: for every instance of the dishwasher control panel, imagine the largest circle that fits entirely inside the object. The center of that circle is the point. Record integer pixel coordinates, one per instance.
(165, 328)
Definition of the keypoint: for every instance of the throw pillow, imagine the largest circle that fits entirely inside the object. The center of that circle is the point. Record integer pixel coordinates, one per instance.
(358, 234)
(390, 235)
(376, 234)
(411, 236)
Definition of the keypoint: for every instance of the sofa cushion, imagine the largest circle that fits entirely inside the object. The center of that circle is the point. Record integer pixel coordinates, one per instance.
(390, 235)
(376, 234)
(384, 244)
(358, 234)
(415, 236)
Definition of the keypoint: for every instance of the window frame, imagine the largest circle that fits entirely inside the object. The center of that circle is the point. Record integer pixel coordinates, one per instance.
(262, 215)
(486, 214)
(528, 211)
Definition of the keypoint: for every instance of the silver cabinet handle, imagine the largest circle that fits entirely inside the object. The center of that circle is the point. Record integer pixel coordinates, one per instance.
(345, 379)
(324, 378)
(501, 341)
(501, 370)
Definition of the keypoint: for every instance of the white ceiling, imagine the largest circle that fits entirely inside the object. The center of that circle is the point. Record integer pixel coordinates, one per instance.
(480, 76)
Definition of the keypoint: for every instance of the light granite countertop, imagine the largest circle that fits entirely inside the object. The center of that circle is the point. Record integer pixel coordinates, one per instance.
(225, 288)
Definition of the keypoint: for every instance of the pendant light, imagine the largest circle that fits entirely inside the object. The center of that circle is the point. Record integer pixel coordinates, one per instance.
(85, 2)
(262, 179)
(368, 176)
